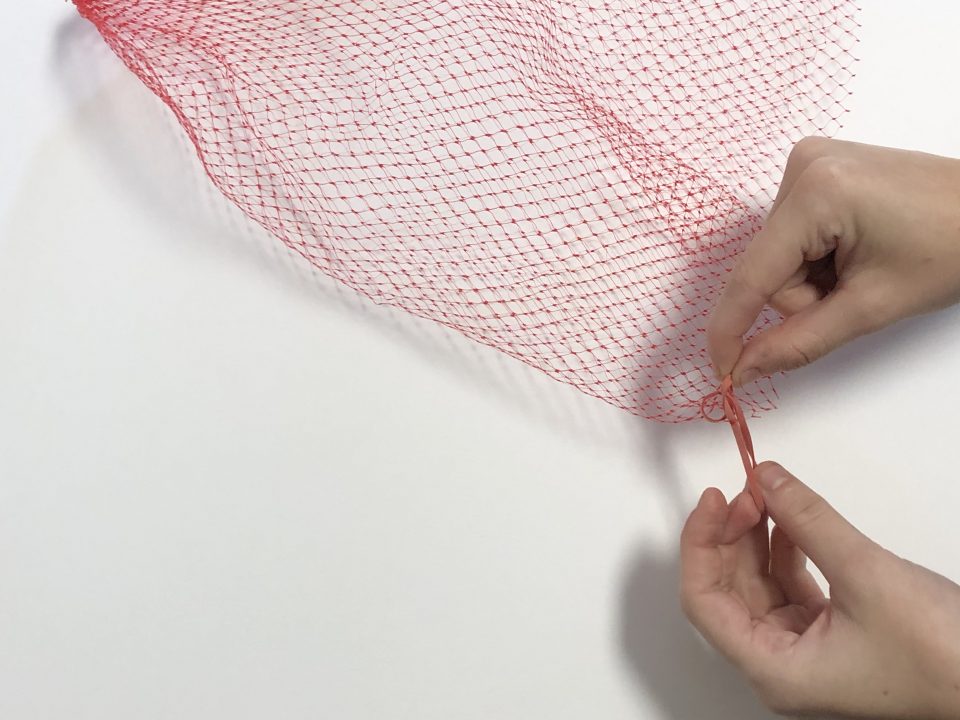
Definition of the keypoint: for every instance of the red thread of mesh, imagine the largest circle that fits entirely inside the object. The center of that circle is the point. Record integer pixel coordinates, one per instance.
(567, 182)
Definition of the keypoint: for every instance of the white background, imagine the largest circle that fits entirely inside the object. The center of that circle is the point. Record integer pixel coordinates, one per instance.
(229, 490)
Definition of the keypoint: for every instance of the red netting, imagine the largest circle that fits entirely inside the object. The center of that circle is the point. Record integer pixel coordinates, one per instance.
(567, 181)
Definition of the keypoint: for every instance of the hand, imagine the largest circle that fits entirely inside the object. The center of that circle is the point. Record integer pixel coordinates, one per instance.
(885, 644)
(858, 238)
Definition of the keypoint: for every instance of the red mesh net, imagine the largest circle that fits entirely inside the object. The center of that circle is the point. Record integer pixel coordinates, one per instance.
(567, 182)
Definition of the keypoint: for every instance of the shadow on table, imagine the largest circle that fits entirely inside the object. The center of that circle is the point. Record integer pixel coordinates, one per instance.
(666, 658)
(670, 663)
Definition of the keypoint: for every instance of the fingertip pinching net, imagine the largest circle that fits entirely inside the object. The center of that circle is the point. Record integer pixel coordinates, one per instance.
(568, 182)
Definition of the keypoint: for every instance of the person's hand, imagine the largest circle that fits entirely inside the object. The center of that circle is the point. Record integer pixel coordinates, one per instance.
(858, 238)
(885, 644)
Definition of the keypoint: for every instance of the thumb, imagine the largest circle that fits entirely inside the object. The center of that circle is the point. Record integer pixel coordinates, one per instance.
(824, 535)
(804, 337)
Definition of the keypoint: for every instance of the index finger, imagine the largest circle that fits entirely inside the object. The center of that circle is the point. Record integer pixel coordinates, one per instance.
(717, 615)
(769, 261)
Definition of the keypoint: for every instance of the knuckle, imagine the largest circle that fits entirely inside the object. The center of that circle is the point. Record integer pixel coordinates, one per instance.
(866, 563)
(832, 230)
(749, 274)
(805, 507)
(803, 348)
(807, 150)
(783, 351)
(826, 176)
(872, 310)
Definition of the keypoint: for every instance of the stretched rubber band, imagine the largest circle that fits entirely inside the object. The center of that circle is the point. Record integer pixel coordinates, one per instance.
(722, 406)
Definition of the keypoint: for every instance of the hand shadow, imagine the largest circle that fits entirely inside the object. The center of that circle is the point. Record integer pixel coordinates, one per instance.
(667, 659)
(685, 677)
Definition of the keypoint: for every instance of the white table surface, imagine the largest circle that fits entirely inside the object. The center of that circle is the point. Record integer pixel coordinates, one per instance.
(230, 490)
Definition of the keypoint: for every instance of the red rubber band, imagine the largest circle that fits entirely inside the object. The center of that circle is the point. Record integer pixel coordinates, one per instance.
(724, 399)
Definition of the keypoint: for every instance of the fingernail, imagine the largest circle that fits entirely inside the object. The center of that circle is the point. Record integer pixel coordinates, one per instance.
(749, 375)
(770, 477)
